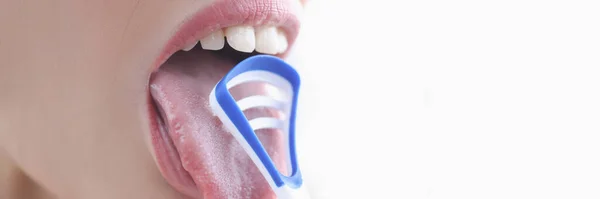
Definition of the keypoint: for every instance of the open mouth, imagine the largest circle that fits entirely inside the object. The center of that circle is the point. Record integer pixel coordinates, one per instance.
(194, 153)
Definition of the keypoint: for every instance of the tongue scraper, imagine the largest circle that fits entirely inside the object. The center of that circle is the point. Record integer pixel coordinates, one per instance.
(276, 72)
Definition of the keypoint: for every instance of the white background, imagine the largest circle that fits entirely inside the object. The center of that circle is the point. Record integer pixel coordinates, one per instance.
(450, 99)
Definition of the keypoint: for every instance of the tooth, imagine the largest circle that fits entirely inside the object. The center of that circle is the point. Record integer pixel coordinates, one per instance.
(267, 40)
(189, 46)
(282, 41)
(241, 38)
(214, 41)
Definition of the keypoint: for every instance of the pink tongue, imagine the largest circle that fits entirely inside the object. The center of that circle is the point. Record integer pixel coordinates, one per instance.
(216, 162)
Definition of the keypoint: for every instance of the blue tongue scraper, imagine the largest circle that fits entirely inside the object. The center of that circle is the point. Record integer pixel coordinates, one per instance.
(274, 71)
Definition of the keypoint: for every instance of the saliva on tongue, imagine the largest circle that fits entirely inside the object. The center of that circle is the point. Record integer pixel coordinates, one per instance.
(216, 162)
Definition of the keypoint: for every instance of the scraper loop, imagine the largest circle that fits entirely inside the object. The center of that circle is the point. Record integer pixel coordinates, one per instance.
(271, 70)
(263, 101)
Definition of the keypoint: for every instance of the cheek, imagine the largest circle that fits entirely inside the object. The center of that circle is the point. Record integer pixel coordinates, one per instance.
(70, 99)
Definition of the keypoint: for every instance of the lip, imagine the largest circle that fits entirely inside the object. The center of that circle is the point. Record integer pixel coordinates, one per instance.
(225, 13)
(220, 14)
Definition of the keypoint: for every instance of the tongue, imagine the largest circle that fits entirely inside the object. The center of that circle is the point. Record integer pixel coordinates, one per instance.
(217, 164)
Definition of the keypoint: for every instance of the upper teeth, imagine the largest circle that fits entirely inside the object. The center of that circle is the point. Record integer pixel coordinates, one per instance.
(268, 40)
(241, 38)
(189, 46)
(214, 41)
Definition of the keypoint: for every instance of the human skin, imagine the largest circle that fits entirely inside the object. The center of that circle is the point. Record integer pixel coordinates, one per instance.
(73, 96)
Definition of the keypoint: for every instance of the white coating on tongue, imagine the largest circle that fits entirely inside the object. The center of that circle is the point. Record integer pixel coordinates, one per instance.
(217, 163)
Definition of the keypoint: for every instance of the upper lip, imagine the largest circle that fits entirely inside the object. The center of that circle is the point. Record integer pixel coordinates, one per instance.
(221, 14)
(225, 13)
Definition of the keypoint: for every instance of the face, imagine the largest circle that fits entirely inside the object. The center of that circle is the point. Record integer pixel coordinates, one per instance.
(108, 98)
